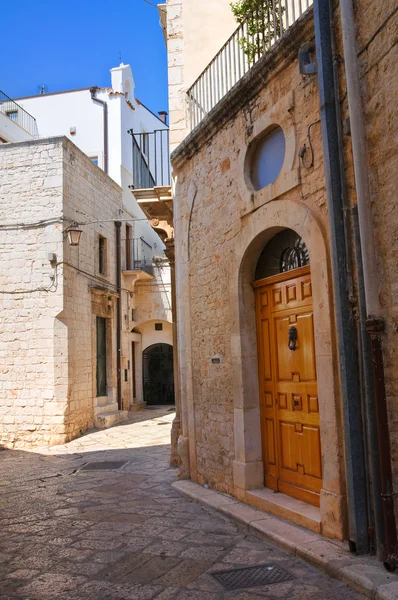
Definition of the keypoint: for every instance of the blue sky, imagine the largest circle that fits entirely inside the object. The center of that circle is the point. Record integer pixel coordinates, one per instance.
(66, 44)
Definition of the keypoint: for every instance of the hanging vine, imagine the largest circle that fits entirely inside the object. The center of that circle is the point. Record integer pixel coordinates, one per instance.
(264, 22)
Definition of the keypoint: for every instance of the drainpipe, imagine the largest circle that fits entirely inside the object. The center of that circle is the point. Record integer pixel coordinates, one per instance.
(345, 322)
(369, 426)
(118, 226)
(104, 105)
(375, 322)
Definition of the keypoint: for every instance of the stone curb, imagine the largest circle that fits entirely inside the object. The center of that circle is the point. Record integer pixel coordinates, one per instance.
(364, 574)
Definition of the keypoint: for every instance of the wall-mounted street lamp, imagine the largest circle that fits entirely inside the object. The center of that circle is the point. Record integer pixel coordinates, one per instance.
(73, 232)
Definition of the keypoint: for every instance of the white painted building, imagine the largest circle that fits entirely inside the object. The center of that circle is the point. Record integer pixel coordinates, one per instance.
(16, 124)
(130, 143)
(101, 132)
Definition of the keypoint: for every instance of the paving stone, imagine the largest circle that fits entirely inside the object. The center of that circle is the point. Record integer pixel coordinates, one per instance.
(204, 553)
(152, 569)
(185, 572)
(127, 535)
(50, 585)
(103, 590)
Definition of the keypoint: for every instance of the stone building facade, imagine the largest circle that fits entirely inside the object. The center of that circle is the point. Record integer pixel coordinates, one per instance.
(56, 299)
(224, 222)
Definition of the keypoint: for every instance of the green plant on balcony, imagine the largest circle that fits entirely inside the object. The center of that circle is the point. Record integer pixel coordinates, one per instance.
(264, 22)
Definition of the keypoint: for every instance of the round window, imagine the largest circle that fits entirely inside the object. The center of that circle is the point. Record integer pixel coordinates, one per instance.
(267, 158)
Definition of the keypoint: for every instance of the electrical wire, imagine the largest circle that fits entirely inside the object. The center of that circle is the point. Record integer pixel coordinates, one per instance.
(311, 164)
(44, 222)
(51, 288)
(35, 225)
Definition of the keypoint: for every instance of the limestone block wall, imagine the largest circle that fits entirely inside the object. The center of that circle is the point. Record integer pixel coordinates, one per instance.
(33, 343)
(150, 303)
(95, 200)
(377, 25)
(49, 291)
(209, 223)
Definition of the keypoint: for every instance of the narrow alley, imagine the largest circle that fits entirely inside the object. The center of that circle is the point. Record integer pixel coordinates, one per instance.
(97, 519)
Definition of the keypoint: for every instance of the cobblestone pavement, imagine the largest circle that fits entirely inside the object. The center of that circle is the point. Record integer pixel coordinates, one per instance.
(68, 533)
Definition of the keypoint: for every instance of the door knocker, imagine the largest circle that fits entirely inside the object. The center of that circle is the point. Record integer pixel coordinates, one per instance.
(292, 338)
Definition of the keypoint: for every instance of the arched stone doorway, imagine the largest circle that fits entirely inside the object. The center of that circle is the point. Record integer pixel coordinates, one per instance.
(289, 405)
(158, 376)
(263, 225)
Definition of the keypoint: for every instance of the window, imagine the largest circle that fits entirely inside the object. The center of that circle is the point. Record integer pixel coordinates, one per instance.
(101, 356)
(13, 115)
(268, 158)
(94, 159)
(158, 326)
(102, 255)
(284, 252)
(129, 243)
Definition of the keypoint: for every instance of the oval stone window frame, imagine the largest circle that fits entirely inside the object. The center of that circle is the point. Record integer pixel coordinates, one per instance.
(266, 158)
(279, 114)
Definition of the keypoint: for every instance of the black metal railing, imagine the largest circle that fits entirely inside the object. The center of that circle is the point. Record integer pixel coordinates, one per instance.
(139, 255)
(17, 114)
(254, 37)
(150, 158)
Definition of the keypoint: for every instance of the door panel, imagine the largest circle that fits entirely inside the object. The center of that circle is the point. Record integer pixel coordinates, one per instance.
(288, 385)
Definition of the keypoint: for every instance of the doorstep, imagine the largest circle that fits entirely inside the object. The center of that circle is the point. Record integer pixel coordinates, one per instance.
(363, 573)
(285, 507)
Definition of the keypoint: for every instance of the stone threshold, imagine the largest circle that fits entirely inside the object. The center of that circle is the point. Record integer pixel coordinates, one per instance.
(285, 507)
(365, 574)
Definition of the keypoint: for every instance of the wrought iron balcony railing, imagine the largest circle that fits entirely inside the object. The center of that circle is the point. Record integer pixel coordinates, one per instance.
(150, 158)
(17, 114)
(138, 255)
(254, 37)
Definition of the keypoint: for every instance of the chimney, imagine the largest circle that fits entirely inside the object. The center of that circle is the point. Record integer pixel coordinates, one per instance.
(163, 116)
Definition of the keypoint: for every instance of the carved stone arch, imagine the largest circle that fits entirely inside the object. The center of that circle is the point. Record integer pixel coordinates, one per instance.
(248, 466)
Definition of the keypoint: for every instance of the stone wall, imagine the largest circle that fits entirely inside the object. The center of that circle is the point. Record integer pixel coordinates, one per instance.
(47, 348)
(377, 25)
(33, 384)
(208, 226)
(214, 213)
(89, 195)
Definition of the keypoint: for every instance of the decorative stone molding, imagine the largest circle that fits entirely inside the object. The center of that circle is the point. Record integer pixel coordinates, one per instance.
(248, 471)
(288, 178)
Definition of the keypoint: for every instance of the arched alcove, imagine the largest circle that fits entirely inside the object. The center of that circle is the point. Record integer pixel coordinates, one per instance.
(270, 220)
(158, 375)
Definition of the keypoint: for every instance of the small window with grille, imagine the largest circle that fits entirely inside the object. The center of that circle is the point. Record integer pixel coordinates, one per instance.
(158, 326)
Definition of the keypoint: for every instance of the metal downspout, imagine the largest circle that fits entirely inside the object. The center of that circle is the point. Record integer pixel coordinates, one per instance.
(375, 322)
(370, 425)
(104, 105)
(372, 468)
(118, 226)
(345, 323)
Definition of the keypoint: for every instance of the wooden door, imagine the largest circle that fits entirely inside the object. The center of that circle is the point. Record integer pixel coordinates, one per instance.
(288, 385)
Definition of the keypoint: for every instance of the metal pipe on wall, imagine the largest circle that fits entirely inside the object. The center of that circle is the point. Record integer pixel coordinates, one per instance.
(118, 226)
(375, 323)
(104, 105)
(345, 322)
(372, 469)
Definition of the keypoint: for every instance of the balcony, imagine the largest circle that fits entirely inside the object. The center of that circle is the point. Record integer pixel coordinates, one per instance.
(255, 36)
(138, 255)
(150, 159)
(19, 116)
